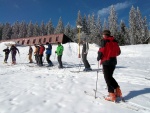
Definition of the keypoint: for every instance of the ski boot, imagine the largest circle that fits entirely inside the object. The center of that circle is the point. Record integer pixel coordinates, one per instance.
(118, 92)
(14, 62)
(111, 97)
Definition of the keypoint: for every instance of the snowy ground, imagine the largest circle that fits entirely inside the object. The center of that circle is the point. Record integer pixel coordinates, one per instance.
(25, 89)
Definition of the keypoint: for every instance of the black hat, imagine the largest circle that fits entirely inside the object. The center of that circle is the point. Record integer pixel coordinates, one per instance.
(106, 32)
(47, 43)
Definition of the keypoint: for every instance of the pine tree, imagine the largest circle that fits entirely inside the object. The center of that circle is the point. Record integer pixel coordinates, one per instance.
(22, 30)
(78, 23)
(79, 19)
(15, 30)
(68, 31)
(60, 27)
(43, 29)
(124, 38)
(84, 25)
(88, 25)
(105, 24)
(145, 33)
(132, 25)
(6, 33)
(49, 27)
(36, 30)
(30, 28)
(99, 30)
(113, 26)
(1, 30)
(139, 27)
(93, 30)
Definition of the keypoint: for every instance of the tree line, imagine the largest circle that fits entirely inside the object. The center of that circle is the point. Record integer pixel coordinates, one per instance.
(136, 33)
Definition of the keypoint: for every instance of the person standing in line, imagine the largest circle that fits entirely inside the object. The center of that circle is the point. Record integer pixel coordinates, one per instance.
(85, 49)
(59, 52)
(13, 51)
(48, 54)
(6, 54)
(41, 51)
(36, 53)
(109, 63)
(30, 54)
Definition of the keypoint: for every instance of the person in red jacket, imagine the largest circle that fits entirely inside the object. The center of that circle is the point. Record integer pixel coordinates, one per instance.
(41, 51)
(109, 64)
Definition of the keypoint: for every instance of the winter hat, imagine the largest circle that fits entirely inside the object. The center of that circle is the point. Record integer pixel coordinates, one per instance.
(47, 43)
(106, 32)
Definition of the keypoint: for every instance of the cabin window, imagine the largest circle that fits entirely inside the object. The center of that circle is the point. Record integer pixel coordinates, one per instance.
(44, 40)
(39, 41)
(57, 38)
(50, 39)
(34, 41)
(23, 42)
(28, 41)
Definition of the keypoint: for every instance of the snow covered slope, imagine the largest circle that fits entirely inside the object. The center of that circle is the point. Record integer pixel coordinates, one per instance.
(26, 89)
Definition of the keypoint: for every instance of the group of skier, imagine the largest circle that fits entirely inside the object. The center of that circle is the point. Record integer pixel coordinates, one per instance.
(13, 50)
(107, 53)
(39, 53)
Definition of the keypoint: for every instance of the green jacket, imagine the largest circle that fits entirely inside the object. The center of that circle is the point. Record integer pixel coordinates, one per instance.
(59, 50)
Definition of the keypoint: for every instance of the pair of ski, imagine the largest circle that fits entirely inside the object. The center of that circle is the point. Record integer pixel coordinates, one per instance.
(119, 101)
(93, 70)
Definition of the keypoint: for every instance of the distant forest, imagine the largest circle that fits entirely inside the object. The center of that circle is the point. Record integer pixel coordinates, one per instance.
(92, 27)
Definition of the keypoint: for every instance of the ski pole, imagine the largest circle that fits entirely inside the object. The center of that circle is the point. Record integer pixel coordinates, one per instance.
(96, 81)
(54, 56)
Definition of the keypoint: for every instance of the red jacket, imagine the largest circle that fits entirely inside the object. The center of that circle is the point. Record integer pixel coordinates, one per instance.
(108, 51)
(42, 49)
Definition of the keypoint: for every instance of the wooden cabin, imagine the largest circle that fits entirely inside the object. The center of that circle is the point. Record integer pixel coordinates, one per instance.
(53, 39)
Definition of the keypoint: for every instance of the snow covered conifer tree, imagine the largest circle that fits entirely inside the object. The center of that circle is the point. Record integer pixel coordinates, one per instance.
(43, 29)
(6, 33)
(132, 25)
(84, 25)
(49, 27)
(30, 28)
(88, 25)
(99, 29)
(145, 32)
(112, 21)
(15, 30)
(79, 19)
(124, 38)
(105, 24)
(139, 27)
(36, 30)
(22, 30)
(60, 27)
(1, 30)
(93, 29)
(68, 31)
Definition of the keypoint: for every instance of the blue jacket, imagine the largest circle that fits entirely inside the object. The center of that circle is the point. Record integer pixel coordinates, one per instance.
(49, 49)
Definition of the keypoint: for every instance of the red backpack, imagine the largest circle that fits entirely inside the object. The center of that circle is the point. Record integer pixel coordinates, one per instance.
(111, 49)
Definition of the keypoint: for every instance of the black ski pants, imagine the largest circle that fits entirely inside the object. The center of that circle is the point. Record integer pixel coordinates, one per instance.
(85, 61)
(108, 75)
(36, 58)
(6, 57)
(40, 60)
(48, 58)
(59, 57)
